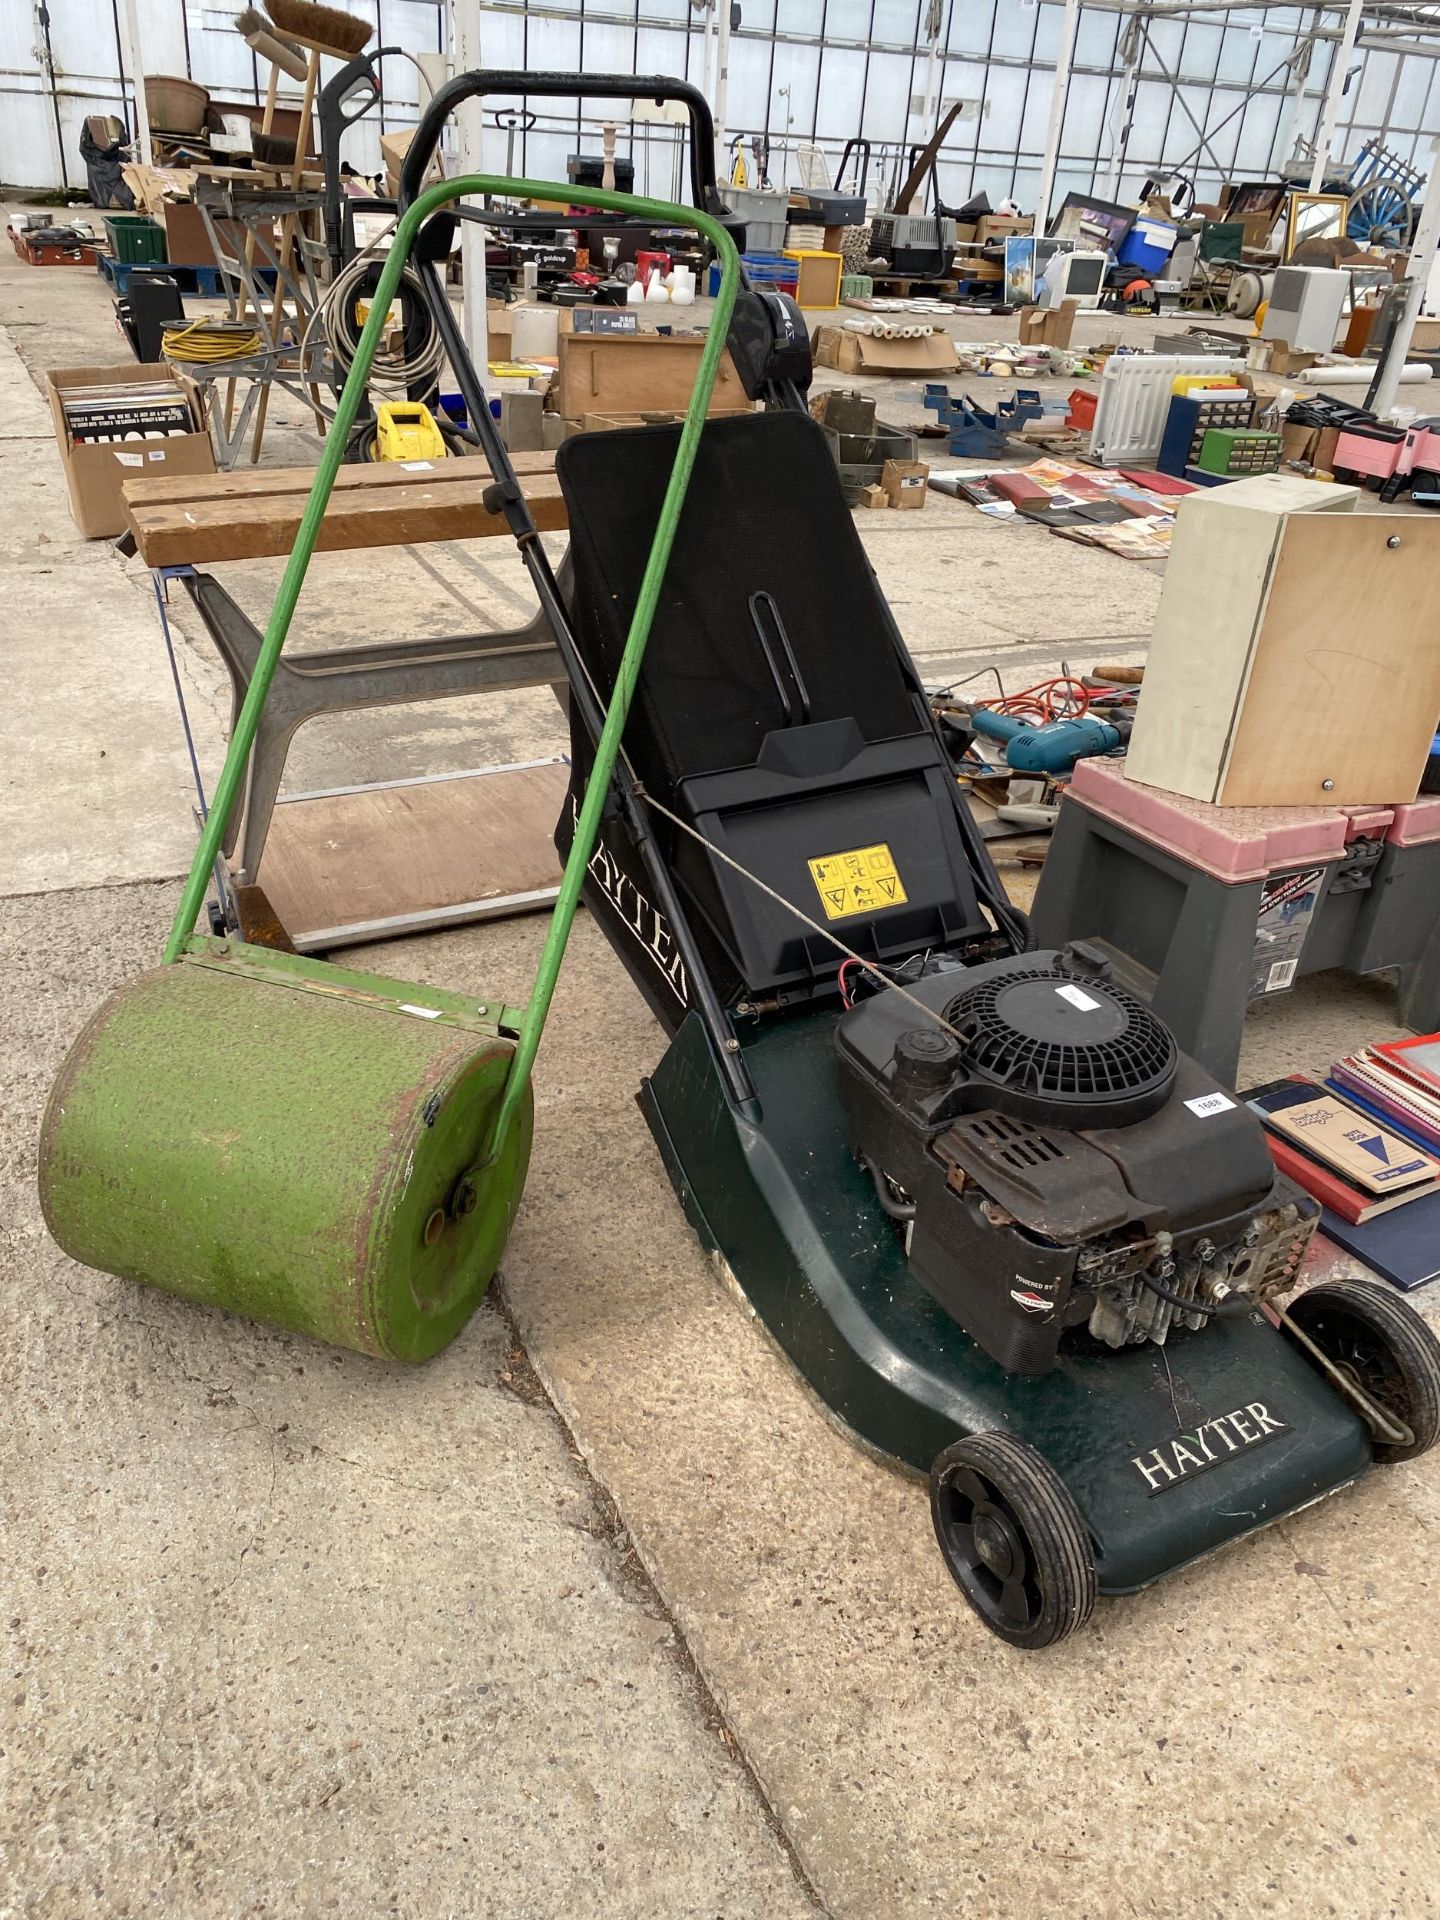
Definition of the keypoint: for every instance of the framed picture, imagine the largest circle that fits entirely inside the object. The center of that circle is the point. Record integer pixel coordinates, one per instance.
(1314, 216)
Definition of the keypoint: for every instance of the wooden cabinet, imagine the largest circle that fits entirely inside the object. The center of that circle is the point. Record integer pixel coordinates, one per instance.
(1296, 654)
(637, 373)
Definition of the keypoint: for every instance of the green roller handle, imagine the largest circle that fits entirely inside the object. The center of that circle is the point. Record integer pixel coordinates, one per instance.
(587, 827)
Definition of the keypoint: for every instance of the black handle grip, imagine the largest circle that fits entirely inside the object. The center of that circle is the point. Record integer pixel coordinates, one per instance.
(860, 145)
(569, 86)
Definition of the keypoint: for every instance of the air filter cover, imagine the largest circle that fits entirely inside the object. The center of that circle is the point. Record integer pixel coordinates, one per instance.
(1067, 1051)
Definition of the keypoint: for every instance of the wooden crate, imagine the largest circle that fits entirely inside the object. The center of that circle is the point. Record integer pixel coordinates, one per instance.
(37, 253)
(818, 277)
(637, 373)
(1294, 659)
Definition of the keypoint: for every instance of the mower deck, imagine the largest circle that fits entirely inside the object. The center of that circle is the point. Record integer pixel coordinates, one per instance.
(795, 1219)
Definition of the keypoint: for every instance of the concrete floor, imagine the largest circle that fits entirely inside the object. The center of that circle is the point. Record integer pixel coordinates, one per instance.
(599, 1613)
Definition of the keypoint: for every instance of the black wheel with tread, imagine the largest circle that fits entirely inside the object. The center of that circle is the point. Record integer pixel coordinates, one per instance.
(1381, 1343)
(1013, 1539)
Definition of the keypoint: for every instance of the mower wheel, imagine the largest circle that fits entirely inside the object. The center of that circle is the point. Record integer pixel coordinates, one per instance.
(1381, 1343)
(1013, 1539)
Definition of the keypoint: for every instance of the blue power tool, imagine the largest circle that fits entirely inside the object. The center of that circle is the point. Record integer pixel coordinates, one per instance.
(1054, 747)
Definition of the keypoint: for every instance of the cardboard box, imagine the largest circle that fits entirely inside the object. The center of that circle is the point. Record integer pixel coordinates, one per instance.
(393, 149)
(96, 473)
(905, 482)
(1258, 229)
(850, 352)
(1273, 356)
(638, 373)
(1048, 326)
(873, 496)
(499, 332)
(991, 227)
(522, 422)
(1314, 446)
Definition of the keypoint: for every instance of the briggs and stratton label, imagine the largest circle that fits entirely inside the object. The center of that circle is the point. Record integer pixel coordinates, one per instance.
(1287, 908)
(1210, 1444)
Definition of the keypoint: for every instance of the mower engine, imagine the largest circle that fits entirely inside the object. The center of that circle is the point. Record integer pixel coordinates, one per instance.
(1056, 1162)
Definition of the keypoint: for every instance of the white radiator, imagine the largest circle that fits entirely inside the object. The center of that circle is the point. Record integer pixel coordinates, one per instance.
(1135, 397)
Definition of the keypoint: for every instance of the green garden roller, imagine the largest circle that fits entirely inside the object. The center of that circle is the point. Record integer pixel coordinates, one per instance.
(336, 1152)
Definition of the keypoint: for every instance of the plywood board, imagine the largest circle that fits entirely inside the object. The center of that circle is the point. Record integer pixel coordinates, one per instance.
(413, 851)
(1344, 683)
(1214, 586)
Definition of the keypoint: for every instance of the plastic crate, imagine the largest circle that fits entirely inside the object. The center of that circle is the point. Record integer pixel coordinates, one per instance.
(136, 239)
(763, 211)
(762, 269)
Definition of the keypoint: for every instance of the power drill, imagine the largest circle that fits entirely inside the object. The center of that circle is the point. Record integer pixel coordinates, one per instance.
(1054, 747)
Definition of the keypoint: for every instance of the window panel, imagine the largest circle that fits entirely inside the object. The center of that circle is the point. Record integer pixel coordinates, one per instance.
(1015, 28)
(1410, 97)
(1095, 39)
(847, 20)
(1372, 95)
(841, 78)
(971, 23)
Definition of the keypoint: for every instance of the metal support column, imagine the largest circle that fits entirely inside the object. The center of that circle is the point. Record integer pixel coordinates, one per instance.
(1334, 90)
(130, 28)
(1057, 115)
(1381, 397)
(1131, 48)
(722, 84)
(469, 120)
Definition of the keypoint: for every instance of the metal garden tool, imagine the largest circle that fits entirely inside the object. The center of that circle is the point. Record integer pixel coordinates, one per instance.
(337, 1152)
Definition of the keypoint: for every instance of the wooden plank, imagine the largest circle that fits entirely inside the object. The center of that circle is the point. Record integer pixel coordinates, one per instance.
(1220, 558)
(1344, 683)
(414, 849)
(255, 529)
(259, 482)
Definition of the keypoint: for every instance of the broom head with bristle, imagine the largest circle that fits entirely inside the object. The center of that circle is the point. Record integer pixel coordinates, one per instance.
(326, 29)
(272, 149)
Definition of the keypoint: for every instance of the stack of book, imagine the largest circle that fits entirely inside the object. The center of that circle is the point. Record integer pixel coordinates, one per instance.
(1397, 1082)
(1366, 1145)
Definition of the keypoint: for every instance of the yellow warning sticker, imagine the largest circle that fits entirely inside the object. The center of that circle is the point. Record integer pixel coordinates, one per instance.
(861, 881)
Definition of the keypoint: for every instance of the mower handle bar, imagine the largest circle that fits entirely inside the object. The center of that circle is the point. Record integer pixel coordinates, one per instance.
(569, 86)
(607, 747)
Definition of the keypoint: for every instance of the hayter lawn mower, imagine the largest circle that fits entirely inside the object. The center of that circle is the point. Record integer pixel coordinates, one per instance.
(1010, 1235)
